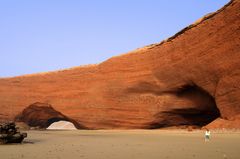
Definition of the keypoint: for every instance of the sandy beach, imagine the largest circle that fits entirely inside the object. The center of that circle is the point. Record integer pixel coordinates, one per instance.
(124, 144)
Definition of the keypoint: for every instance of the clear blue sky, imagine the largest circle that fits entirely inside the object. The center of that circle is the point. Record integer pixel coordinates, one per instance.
(45, 35)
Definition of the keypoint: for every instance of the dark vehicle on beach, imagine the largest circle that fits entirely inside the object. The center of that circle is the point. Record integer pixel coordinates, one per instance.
(9, 133)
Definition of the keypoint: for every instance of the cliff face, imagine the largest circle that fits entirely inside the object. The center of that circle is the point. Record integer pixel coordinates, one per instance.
(189, 79)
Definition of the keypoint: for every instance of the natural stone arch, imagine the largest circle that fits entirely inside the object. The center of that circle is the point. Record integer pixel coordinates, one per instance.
(42, 115)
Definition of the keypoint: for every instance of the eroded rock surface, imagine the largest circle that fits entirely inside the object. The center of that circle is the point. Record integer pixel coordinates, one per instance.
(42, 115)
(191, 78)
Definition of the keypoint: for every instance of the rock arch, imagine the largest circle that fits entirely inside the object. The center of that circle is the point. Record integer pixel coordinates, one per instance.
(42, 115)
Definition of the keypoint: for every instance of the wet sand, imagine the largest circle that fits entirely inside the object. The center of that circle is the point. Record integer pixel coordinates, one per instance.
(124, 144)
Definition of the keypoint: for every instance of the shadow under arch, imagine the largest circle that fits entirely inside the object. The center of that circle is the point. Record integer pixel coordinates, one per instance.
(204, 111)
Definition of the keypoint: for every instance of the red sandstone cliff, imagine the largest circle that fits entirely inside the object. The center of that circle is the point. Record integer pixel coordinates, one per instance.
(190, 79)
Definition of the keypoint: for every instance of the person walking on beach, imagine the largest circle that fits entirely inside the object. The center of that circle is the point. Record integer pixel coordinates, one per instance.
(207, 135)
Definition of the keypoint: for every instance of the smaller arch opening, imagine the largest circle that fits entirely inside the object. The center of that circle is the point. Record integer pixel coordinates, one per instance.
(60, 124)
(42, 115)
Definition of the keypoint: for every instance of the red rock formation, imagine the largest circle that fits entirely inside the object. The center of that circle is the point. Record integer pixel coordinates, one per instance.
(42, 115)
(224, 124)
(189, 79)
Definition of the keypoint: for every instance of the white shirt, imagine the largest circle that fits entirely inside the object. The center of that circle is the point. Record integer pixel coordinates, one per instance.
(207, 133)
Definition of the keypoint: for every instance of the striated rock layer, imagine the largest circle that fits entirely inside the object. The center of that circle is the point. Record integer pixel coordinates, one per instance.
(191, 78)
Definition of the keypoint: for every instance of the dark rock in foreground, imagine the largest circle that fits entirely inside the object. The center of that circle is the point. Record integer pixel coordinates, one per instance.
(9, 134)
